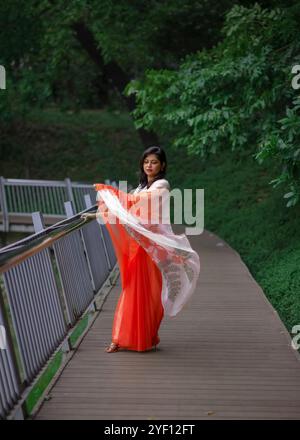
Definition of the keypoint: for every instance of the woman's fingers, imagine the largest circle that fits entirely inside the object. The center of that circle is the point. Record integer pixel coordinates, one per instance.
(98, 186)
(87, 215)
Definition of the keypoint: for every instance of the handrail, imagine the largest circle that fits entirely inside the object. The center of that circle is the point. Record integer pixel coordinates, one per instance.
(43, 295)
(20, 197)
(12, 255)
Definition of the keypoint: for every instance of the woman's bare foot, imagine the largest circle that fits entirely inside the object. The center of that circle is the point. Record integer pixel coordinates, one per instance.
(112, 348)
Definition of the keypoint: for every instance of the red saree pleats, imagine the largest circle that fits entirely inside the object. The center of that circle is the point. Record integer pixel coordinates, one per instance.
(159, 269)
(139, 310)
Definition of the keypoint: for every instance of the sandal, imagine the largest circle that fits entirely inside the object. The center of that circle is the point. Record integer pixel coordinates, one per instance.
(112, 348)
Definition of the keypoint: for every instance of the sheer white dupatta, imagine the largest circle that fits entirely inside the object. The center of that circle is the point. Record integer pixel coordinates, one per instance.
(145, 217)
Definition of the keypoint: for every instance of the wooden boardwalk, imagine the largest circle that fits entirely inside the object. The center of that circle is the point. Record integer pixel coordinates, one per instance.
(227, 355)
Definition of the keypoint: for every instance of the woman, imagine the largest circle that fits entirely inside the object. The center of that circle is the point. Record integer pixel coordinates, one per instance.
(158, 269)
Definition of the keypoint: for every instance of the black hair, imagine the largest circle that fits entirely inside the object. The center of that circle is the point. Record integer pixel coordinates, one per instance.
(161, 156)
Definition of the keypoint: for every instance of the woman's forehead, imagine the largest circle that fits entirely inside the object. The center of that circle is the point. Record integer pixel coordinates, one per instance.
(151, 157)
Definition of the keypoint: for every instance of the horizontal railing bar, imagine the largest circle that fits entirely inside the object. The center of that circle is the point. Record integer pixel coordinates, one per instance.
(14, 254)
(48, 183)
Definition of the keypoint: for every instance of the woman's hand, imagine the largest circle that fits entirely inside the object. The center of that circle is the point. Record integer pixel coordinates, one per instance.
(88, 215)
(99, 186)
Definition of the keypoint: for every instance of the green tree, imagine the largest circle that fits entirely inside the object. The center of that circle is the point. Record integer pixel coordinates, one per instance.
(71, 52)
(235, 95)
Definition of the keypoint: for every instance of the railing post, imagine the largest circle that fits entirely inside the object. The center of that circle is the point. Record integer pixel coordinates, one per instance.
(87, 201)
(4, 205)
(69, 189)
(12, 359)
(70, 212)
(88, 204)
(38, 221)
(69, 209)
(66, 346)
(39, 225)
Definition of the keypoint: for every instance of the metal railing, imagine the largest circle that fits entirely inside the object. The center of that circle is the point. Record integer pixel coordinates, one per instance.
(49, 280)
(19, 198)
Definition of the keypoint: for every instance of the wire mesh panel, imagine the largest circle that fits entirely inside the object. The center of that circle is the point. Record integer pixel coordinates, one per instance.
(109, 246)
(79, 191)
(26, 196)
(36, 310)
(48, 196)
(74, 273)
(96, 253)
(9, 383)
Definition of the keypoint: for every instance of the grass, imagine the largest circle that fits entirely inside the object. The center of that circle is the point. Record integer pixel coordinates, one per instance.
(41, 385)
(43, 382)
(79, 329)
(88, 147)
(243, 209)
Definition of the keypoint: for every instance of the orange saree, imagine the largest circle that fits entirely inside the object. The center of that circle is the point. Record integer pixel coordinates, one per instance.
(158, 269)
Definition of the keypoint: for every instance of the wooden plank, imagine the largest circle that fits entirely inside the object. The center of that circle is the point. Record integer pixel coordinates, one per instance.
(227, 355)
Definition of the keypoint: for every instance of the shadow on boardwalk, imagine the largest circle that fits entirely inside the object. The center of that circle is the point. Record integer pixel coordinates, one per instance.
(227, 355)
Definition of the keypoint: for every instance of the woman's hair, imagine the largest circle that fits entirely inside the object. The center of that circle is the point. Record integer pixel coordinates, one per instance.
(161, 156)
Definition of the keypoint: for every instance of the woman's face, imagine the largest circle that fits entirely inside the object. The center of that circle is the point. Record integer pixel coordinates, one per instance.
(152, 165)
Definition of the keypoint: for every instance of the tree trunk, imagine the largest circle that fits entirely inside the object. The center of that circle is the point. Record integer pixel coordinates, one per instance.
(113, 73)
